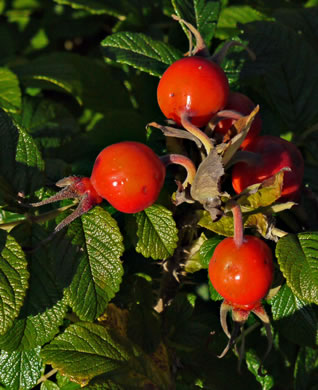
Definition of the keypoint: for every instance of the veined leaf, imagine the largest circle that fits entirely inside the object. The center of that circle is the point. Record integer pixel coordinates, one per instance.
(21, 165)
(289, 65)
(14, 277)
(86, 350)
(44, 308)
(97, 7)
(296, 319)
(157, 232)
(20, 370)
(99, 272)
(298, 260)
(265, 379)
(139, 51)
(10, 93)
(207, 250)
(232, 16)
(303, 21)
(202, 14)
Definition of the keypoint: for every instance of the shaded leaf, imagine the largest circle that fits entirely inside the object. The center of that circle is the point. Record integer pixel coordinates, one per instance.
(301, 20)
(99, 272)
(157, 232)
(143, 327)
(14, 277)
(294, 317)
(289, 65)
(77, 76)
(202, 14)
(298, 260)
(139, 51)
(305, 374)
(104, 384)
(21, 165)
(10, 94)
(20, 370)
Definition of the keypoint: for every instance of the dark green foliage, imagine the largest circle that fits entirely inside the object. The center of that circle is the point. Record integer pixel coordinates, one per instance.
(116, 302)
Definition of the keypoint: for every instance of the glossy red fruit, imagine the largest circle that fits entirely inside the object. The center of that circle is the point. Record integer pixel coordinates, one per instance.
(243, 105)
(195, 86)
(276, 153)
(129, 175)
(242, 275)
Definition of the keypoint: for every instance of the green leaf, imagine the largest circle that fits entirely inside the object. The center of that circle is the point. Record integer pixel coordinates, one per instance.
(21, 165)
(10, 94)
(157, 232)
(202, 14)
(139, 51)
(77, 76)
(267, 381)
(49, 385)
(294, 317)
(192, 261)
(44, 308)
(86, 350)
(99, 271)
(65, 384)
(97, 7)
(14, 277)
(305, 373)
(298, 260)
(232, 16)
(253, 205)
(267, 193)
(20, 370)
(207, 250)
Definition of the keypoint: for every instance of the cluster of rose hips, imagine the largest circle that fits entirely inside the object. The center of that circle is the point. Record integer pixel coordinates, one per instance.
(194, 92)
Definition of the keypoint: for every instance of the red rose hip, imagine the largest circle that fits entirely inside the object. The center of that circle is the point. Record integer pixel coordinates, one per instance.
(275, 153)
(194, 86)
(242, 275)
(129, 175)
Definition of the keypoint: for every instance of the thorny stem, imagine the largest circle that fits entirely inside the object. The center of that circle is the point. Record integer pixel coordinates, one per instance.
(184, 162)
(194, 130)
